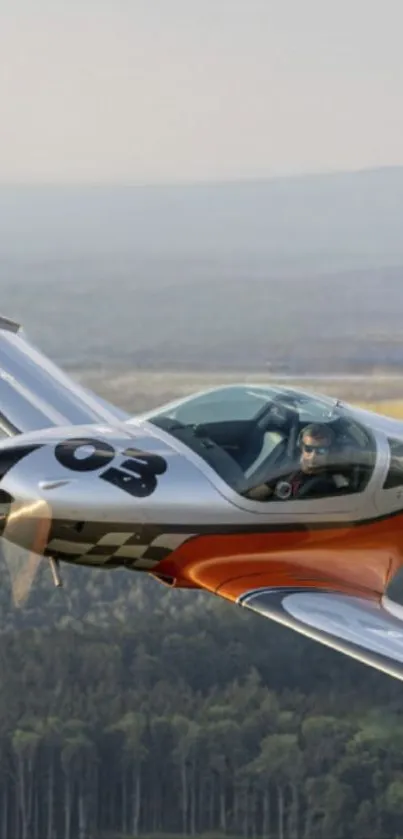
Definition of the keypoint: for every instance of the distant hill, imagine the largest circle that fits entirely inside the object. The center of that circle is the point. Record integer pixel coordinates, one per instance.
(292, 274)
(330, 220)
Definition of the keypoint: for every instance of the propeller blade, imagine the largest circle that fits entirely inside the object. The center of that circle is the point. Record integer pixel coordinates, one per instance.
(28, 524)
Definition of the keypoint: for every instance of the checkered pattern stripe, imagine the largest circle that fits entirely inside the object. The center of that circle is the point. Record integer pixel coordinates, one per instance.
(142, 548)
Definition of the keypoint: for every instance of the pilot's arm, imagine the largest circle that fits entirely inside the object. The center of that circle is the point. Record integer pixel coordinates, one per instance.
(269, 489)
(323, 485)
(311, 486)
(261, 492)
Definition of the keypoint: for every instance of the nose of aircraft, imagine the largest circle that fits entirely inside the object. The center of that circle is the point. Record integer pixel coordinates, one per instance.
(56, 482)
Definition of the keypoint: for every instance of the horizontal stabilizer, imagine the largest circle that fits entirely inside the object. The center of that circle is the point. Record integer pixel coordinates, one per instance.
(370, 631)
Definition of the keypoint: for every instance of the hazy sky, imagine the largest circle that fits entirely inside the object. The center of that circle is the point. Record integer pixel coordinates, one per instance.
(167, 90)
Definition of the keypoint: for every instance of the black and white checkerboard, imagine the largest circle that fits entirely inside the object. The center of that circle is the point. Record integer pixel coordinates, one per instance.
(141, 547)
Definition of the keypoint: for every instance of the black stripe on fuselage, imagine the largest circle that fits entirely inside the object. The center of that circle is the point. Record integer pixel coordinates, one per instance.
(91, 532)
(80, 530)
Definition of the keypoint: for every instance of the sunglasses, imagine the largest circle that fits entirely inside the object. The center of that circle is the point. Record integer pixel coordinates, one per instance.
(318, 449)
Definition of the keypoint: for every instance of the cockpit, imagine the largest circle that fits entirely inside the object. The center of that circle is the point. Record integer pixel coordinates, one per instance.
(255, 438)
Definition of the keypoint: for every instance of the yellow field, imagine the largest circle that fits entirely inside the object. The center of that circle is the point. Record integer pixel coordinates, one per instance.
(390, 407)
(140, 390)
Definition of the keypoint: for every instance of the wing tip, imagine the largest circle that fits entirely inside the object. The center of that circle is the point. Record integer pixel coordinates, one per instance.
(9, 325)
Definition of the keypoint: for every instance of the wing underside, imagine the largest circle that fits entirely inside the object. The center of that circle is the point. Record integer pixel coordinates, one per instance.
(36, 394)
(370, 631)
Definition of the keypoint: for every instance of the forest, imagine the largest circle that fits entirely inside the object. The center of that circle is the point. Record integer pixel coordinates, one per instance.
(128, 709)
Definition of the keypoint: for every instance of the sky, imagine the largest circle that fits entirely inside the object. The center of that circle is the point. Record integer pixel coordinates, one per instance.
(166, 91)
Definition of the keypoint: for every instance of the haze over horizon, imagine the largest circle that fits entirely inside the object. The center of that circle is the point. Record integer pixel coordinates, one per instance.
(133, 92)
(310, 175)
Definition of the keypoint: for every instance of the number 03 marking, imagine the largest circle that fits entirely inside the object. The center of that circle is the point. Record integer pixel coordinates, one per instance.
(136, 475)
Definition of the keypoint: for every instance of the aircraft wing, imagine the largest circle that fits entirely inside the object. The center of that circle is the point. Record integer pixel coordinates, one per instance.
(370, 631)
(36, 394)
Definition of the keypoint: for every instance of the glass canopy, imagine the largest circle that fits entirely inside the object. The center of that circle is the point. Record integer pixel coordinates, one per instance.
(261, 440)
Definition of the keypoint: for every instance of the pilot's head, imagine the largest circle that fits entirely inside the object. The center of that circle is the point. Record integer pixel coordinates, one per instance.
(316, 441)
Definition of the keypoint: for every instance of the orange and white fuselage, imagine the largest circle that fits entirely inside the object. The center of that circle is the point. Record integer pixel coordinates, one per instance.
(180, 493)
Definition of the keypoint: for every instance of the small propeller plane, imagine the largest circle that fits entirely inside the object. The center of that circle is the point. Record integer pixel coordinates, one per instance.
(285, 502)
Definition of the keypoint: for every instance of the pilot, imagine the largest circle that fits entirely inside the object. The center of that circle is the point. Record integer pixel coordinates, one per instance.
(313, 478)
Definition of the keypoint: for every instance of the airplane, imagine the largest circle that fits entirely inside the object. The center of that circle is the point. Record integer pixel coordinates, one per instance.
(197, 493)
